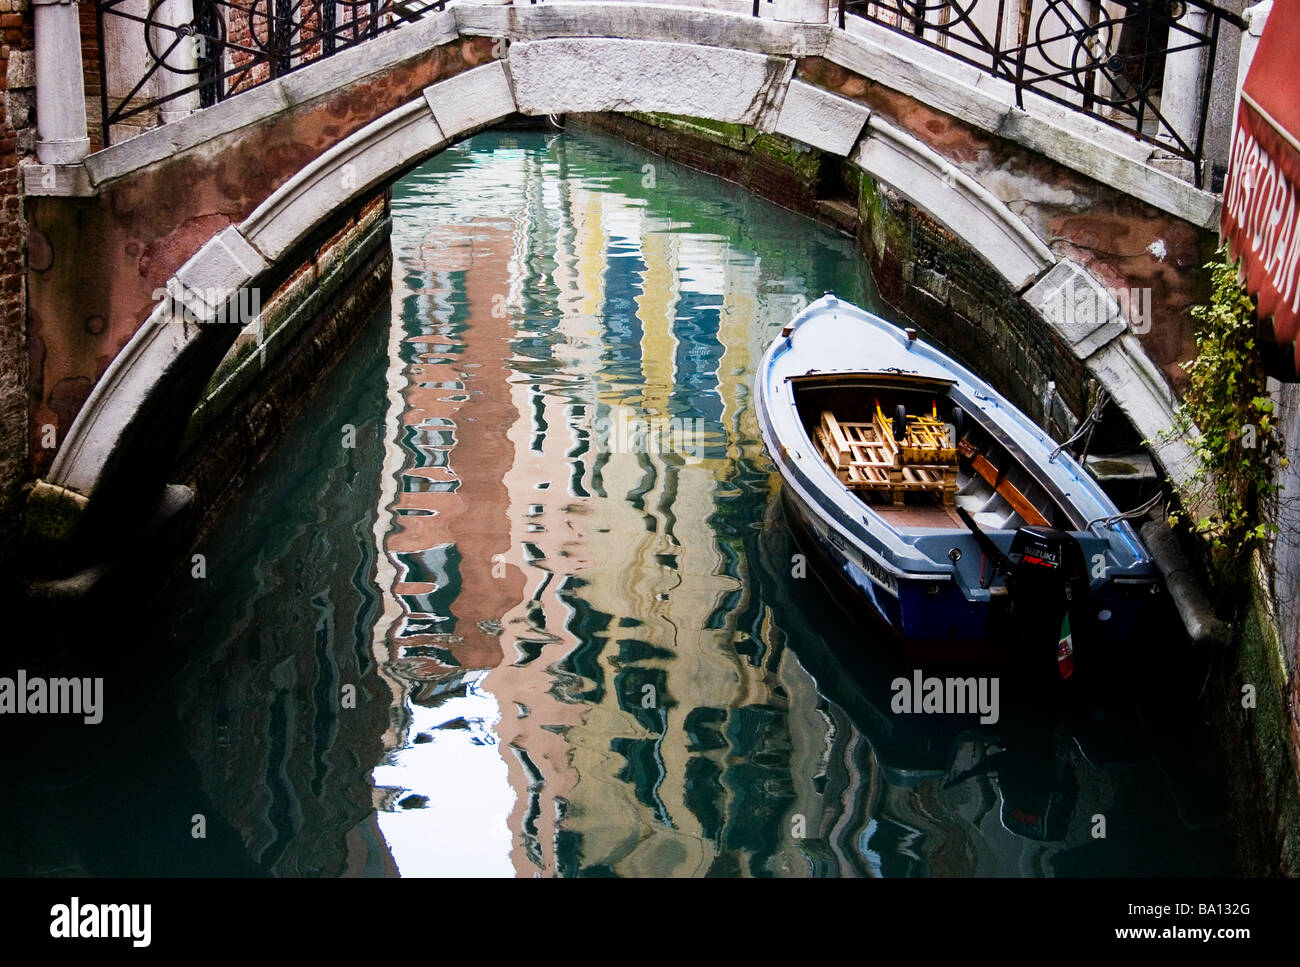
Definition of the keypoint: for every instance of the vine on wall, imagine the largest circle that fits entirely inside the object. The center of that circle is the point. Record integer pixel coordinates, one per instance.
(1227, 419)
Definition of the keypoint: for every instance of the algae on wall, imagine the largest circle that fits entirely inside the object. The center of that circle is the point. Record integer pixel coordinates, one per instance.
(805, 162)
(1256, 698)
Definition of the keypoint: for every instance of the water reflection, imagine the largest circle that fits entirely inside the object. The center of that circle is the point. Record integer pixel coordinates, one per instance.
(598, 661)
(577, 480)
(541, 620)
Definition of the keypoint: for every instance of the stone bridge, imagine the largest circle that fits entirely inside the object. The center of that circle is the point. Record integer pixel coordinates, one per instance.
(135, 249)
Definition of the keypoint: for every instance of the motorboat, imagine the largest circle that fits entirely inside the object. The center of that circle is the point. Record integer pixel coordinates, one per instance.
(947, 512)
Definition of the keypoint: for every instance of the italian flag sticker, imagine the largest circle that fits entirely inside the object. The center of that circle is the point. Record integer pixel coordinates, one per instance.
(1065, 649)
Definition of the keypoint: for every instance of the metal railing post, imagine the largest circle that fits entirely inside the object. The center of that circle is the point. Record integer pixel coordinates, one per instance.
(1022, 45)
(1205, 102)
(173, 31)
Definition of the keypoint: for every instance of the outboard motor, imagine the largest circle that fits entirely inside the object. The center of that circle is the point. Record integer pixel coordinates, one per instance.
(1048, 581)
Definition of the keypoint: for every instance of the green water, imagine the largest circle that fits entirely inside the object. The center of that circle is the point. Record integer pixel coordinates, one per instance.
(515, 595)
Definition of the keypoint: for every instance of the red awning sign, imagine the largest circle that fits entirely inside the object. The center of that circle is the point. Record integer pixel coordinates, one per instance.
(1261, 199)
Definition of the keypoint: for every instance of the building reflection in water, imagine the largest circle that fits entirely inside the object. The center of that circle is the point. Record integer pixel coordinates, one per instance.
(555, 567)
(584, 678)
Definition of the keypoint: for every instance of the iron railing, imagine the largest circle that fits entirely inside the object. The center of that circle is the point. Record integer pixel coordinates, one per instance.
(1106, 59)
(199, 52)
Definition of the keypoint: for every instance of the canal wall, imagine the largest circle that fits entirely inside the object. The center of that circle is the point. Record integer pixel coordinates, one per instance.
(949, 292)
(1258, 707)
(1252, 703)
(269, 375)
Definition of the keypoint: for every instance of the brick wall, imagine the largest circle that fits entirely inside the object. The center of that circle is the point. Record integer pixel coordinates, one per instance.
(17, 138)
(89, 24)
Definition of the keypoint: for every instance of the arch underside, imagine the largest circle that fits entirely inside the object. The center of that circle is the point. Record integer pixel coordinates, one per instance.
(135, 408)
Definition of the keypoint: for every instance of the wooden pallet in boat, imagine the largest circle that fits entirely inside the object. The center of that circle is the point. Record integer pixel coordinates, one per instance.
(926, 442)
(867, 457)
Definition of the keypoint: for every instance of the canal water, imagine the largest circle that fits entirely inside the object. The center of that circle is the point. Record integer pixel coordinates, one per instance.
(515, 596)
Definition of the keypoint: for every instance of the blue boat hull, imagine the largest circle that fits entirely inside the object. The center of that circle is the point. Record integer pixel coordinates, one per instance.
(933, 583)
(920, 611)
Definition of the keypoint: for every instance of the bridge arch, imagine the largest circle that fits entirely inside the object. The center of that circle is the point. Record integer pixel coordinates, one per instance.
(125, 435)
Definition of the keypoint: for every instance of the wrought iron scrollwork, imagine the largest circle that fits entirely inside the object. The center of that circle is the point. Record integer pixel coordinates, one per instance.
(1102, 58)
(199, 52)
(1105, 59)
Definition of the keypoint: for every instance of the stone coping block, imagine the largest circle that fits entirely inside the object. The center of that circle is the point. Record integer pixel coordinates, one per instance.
(1137, 387)
(1081, 310)
(470, 100)
(61, 181)
(725, 25)
(350, 169)
(591, 74)
(215, 273)
(821, 119)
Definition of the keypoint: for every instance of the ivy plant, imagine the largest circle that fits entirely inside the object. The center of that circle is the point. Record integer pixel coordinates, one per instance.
(1238, 444)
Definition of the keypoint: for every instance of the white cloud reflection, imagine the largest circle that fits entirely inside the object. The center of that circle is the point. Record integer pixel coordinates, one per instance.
(462, 829)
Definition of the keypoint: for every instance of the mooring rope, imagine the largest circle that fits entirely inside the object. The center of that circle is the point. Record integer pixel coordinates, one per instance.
(1086, 425)
(1138, 511)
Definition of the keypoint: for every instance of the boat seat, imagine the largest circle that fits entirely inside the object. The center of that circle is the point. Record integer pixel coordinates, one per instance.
(1025, 508)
